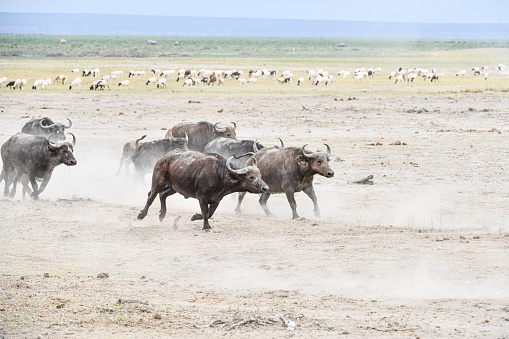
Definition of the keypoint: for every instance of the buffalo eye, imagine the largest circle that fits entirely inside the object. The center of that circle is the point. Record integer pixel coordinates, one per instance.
(319, 162)
(251, 177)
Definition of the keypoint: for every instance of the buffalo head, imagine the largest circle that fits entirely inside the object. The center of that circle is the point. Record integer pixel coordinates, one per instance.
(318, 161)
(63, 151)
(250, 176)
(226, 132)
(179, 142)
(49, 128)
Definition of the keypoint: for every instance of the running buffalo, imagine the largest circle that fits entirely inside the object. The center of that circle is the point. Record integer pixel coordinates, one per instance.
(201, 133)
(35, 156)
(288, 171)
(227, 147)
(206, 177)
(146, 155)
(45, 127)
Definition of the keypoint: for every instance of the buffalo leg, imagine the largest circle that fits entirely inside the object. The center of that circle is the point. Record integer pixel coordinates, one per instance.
(162, 197)
(212, 209)
(120, 165)
(293, 204)
(239, 201)
(263, 201)
(151, 196)
(15, 184)
(310, 192)
(6, 170)
(44, 183)
(204, 206)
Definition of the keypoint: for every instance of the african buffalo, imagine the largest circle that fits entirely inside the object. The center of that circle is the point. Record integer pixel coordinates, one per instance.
(127, 153)
(201, 133)
(206, 177)
(45, 127)
(227, 147)
(146, 155)
(35, 156)
(288, 171)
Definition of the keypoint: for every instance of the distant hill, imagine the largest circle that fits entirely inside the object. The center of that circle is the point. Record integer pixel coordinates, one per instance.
(137, 25)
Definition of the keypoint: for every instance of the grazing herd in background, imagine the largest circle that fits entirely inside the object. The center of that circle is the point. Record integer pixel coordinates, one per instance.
(189, 78)
(200, 160)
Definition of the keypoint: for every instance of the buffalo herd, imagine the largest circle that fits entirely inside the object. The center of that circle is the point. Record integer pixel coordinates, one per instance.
(200, 160)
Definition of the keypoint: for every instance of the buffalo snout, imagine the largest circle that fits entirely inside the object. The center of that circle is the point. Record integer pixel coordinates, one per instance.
(329, 174)
(265, 189)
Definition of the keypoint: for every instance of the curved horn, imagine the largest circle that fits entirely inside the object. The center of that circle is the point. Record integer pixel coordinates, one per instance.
(171, 137)
(231, 170)
(304, 154)
(328, 150)
(73, 139)
(52, 145)
(187, 138)
(234, 126)
(255, 162)
(219, 129)
(282, 143)
(255, 149)
(43, 126)
(70, 123)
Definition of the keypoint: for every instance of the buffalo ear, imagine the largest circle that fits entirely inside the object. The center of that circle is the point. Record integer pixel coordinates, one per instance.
(301, 161)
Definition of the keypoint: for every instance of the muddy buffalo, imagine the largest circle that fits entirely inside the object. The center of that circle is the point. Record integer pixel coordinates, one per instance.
(288, 171)
(201, 133)
(35, 156)
(46, 127)
(206, 177)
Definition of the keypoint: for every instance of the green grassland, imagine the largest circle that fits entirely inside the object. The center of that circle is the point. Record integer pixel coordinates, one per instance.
(35, 46)
(42, 57)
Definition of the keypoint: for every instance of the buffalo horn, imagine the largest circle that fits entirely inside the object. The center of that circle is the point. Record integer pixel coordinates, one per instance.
(70, 123)
(231, 170)
(328, 150)
(73, 139)
(304, 154)
(219, 129)
(282, 143)
(43, 126)
(255, 149)
(52, 145)
(187, 138)
(171, 137)
(234, 126)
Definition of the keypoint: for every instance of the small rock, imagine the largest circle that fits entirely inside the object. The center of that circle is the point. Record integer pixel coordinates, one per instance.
(476, 237)
(46, 275)
(157, 316)
(103, 275)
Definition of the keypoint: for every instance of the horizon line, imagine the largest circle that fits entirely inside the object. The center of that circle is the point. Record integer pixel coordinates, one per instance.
(275, 19)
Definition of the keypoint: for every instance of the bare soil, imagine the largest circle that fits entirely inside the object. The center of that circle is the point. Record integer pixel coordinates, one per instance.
(420, 253)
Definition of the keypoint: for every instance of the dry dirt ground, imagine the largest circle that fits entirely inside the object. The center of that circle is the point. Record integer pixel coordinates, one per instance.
(420, 253)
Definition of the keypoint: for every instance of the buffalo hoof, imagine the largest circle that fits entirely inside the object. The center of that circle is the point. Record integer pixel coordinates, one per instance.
(197, 216)
(142, 215)
(161, 217)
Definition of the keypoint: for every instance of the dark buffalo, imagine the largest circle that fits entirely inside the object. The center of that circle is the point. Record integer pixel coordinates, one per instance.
(35, 156)
(230, 147)
(288, 171)
(227, 148)
(10, 84)
(206, 177)
(45, 127)
(146, 155)
(201, 133)
(127, 153)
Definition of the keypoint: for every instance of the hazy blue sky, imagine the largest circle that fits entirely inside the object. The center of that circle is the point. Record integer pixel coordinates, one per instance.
(428, 11)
